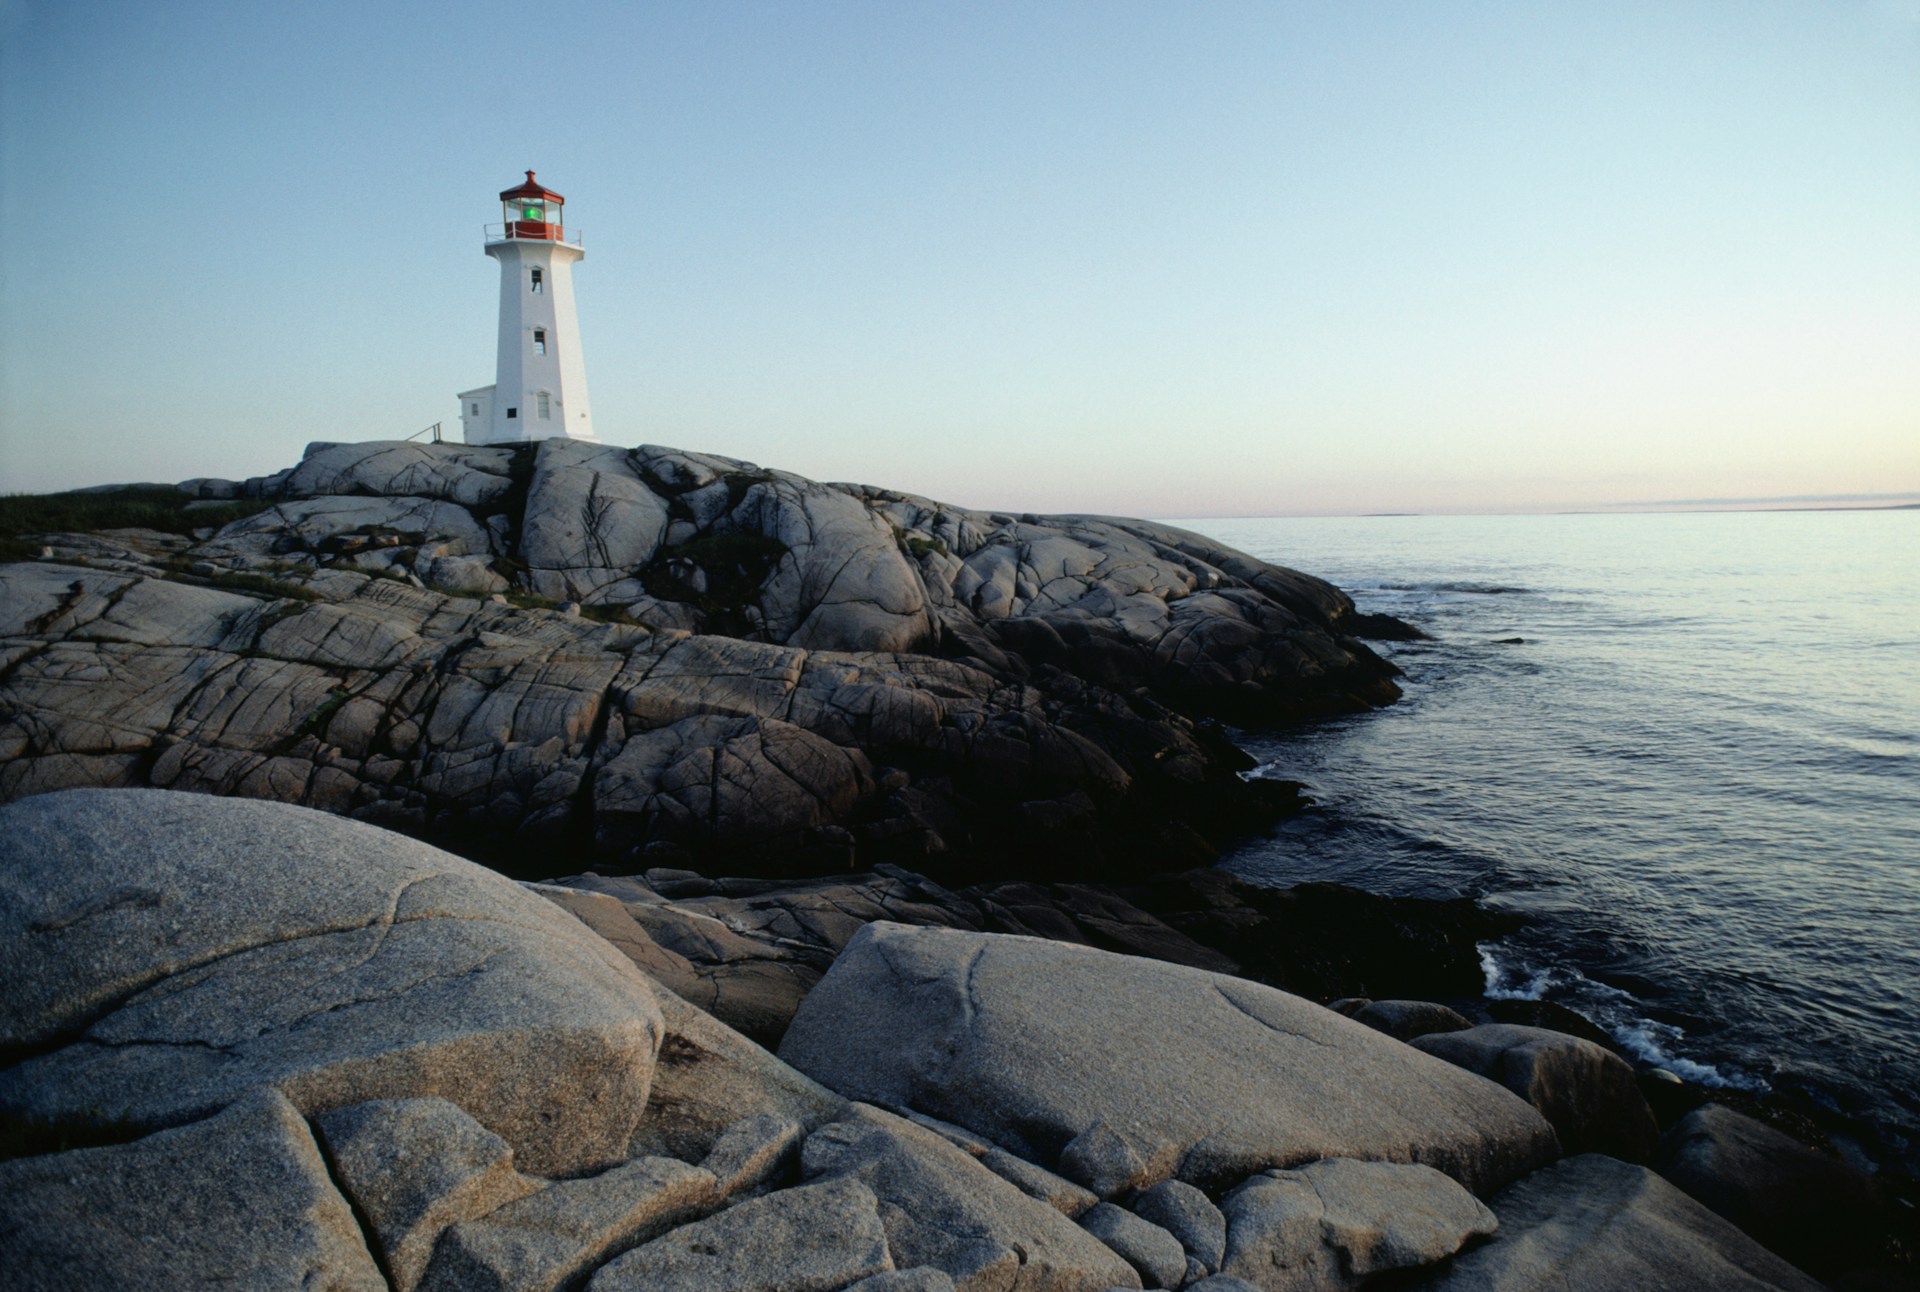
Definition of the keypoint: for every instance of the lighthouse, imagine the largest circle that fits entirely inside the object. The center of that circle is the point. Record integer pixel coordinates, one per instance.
(539, 389)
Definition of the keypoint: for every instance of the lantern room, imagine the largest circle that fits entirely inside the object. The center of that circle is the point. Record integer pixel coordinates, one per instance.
(534, 212)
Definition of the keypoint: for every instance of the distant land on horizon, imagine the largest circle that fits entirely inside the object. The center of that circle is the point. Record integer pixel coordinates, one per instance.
(1800, 502)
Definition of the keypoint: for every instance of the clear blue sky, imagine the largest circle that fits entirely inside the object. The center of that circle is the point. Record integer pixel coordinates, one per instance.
(1159, 258)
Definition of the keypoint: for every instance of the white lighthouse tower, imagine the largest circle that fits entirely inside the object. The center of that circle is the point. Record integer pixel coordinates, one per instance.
(539, 386)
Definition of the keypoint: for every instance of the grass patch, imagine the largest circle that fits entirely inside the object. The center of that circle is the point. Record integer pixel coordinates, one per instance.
(599, 614)
(314, 721)
(135, 507)
(259, 585)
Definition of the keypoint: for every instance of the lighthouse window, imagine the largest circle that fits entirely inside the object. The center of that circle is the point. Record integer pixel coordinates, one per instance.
(513, 413)
(536, 282)
(540, 401)
(539, 340)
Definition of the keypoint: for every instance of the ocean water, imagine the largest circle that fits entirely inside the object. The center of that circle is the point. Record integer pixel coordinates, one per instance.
(1685, 746)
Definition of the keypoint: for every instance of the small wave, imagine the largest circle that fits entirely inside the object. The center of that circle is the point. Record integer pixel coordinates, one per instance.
(1615, 1011)
(1477, 589)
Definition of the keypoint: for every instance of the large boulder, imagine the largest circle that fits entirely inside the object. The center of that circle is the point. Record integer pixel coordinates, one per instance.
(1811, 1208)
(1019, 1040)
(166, 954)
(1595, 1222)
(1588, 1094)
(241, 1199)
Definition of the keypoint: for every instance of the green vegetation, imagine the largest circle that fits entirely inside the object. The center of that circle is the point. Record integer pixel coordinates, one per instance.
(241, 581)
(323, 711)
(738, 482)
(160, 507)
(734, 566)
(527, 601)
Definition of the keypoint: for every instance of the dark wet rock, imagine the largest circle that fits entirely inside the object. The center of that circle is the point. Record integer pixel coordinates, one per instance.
(1813, 1209)
(1594, 1222)
(1384, 628)
(1329, 940)
(1405, 1019)
(1589, 1094)
(1554, 1017)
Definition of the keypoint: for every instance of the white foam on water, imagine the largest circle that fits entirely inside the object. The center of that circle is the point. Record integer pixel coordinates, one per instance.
(1615, 1011)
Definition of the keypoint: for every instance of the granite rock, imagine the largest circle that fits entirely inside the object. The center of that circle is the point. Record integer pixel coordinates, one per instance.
(1337, 1223)
(1813, 1209)
(1405, 1019)
(241, 1199)
(168, 953)
(1190, 1216)
(1588, 1094)
(1012, 1038)
(1594, 1222)
(942, 1208)
(465, 474)
(815, 1238)
(1151, 1250)
(549, 1239)
(414, 1166)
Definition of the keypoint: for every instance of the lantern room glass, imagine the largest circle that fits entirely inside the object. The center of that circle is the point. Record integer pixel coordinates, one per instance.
(531, 210)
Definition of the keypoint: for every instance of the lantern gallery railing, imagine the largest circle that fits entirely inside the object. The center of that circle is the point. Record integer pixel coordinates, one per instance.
(533, 231)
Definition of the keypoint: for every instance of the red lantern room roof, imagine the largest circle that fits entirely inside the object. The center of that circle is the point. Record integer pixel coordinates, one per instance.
(531, 189)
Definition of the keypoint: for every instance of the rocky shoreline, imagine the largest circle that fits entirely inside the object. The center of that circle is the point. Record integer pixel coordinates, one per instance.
(867, 939)
(651, 657)
(248, 1042)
